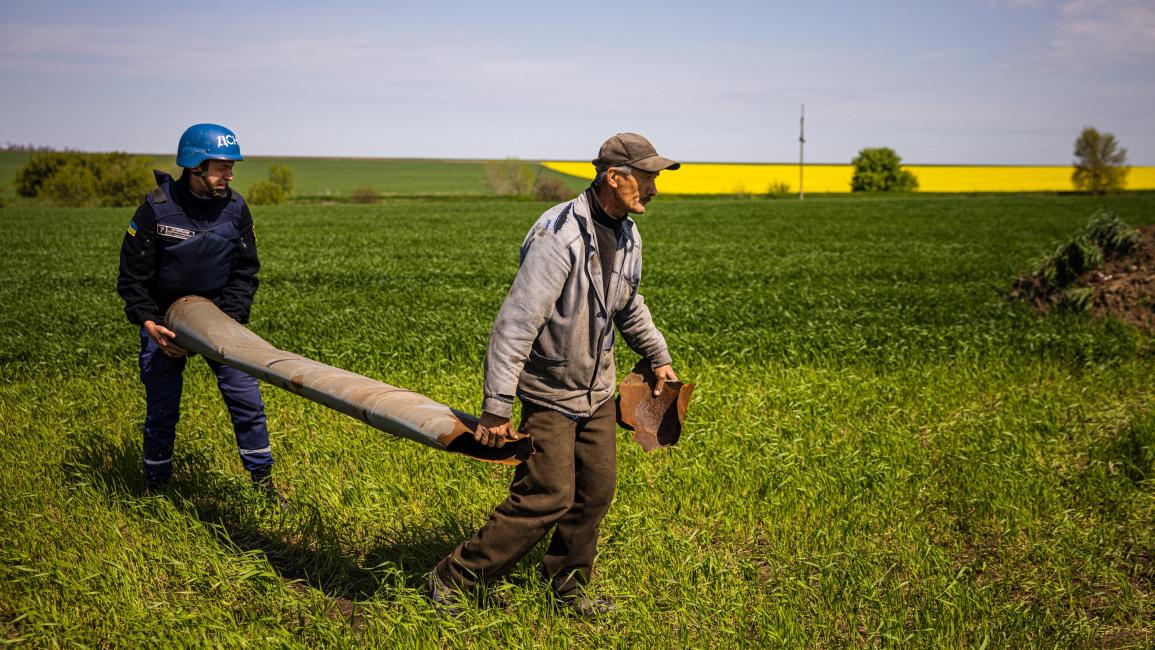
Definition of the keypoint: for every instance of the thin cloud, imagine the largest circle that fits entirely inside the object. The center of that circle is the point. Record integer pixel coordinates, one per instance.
(1018, 4)
(80, 48)
(1105, 31)
(350, 64)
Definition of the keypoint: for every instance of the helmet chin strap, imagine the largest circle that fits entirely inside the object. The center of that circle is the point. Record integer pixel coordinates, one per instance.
(201, 172)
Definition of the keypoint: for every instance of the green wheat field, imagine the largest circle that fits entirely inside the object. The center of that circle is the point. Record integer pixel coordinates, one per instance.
(882, 449)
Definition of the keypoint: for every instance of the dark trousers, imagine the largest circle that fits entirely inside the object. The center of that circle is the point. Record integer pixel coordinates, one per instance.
(163, 379)
(568, 482)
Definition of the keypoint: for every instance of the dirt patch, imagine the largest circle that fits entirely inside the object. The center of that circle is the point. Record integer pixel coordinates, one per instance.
(1122, 287)
(1125, 287)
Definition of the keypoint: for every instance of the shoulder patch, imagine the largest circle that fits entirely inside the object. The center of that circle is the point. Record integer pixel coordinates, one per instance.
(132, 228)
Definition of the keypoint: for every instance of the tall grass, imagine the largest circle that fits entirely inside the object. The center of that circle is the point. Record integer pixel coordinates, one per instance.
(882, 450)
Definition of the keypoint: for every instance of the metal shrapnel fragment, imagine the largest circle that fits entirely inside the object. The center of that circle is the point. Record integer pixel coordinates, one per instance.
(655, 421)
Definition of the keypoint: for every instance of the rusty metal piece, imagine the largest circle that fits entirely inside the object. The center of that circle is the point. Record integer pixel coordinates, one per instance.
(655, 421)
(203, 328)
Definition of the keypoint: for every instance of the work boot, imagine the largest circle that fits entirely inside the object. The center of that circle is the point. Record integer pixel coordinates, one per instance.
(154, 487)
(582, 606)
(263, 481)
(446, 599)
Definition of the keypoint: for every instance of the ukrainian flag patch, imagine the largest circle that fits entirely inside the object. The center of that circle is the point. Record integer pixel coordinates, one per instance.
(132, 228)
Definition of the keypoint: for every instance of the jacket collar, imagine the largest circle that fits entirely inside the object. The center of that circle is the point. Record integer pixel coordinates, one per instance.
(581, 213)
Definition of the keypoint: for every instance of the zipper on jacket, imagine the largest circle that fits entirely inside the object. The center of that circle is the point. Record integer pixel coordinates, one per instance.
(604, 312)
(619, 266)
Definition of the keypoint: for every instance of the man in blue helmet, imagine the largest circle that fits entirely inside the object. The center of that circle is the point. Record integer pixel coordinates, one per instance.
(193, 235)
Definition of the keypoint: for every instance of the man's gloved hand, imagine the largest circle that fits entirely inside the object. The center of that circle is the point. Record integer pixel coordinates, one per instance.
(495, 431)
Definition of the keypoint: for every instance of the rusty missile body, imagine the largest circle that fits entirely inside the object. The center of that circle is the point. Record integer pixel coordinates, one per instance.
(203, 328)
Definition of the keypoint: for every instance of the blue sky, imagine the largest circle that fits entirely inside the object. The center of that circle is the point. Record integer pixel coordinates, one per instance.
(984, 82)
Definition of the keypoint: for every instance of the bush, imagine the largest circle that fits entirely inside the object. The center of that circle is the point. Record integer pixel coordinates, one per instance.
(1109, 233)
(509, 177)
(39, 168)
(364, 195)
(1053, 278)
(72, 186)
(879, 169)
(1101, 163)
(266, 193)
(121, 180)
(550, 188)
(778, 190)
(283, 176)
(116, 179)
(1071, 260)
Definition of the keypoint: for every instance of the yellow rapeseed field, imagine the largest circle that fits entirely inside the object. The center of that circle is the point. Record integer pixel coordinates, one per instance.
(725, 178)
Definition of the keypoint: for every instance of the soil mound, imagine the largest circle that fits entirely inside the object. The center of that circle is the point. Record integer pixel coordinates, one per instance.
(1120, 284)
(1125, 287)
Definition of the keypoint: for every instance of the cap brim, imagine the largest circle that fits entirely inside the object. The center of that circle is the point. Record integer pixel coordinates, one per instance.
(655, 164)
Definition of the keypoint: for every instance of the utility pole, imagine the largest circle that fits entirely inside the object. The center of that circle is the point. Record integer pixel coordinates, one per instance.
(801, 154)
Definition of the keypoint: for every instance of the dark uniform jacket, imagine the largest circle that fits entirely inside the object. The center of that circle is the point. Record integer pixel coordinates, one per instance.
(180, 244)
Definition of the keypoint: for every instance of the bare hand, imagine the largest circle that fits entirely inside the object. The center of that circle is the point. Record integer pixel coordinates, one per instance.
(163, 337)
(495, 431)
(662, 374)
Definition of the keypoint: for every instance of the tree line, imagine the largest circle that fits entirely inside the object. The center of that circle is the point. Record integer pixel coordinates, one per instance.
(118, 179)
(77, 179)
(1100, 167)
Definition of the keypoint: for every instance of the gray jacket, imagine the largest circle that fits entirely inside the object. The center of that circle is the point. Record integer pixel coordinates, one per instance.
(553, 340)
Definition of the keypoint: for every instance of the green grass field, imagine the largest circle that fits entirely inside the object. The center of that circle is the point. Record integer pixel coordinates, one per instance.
(881, 451)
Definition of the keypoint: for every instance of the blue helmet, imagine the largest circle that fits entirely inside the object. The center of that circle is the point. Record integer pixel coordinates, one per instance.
(201, 142)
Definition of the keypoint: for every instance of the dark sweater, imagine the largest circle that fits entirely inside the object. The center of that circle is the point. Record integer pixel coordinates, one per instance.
(607, 229)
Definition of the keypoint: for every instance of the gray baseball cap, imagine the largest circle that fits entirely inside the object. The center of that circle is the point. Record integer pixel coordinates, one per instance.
(633, 150)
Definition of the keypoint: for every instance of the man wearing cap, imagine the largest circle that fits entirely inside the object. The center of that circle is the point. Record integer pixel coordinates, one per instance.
(552, 345)
(193, 235)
